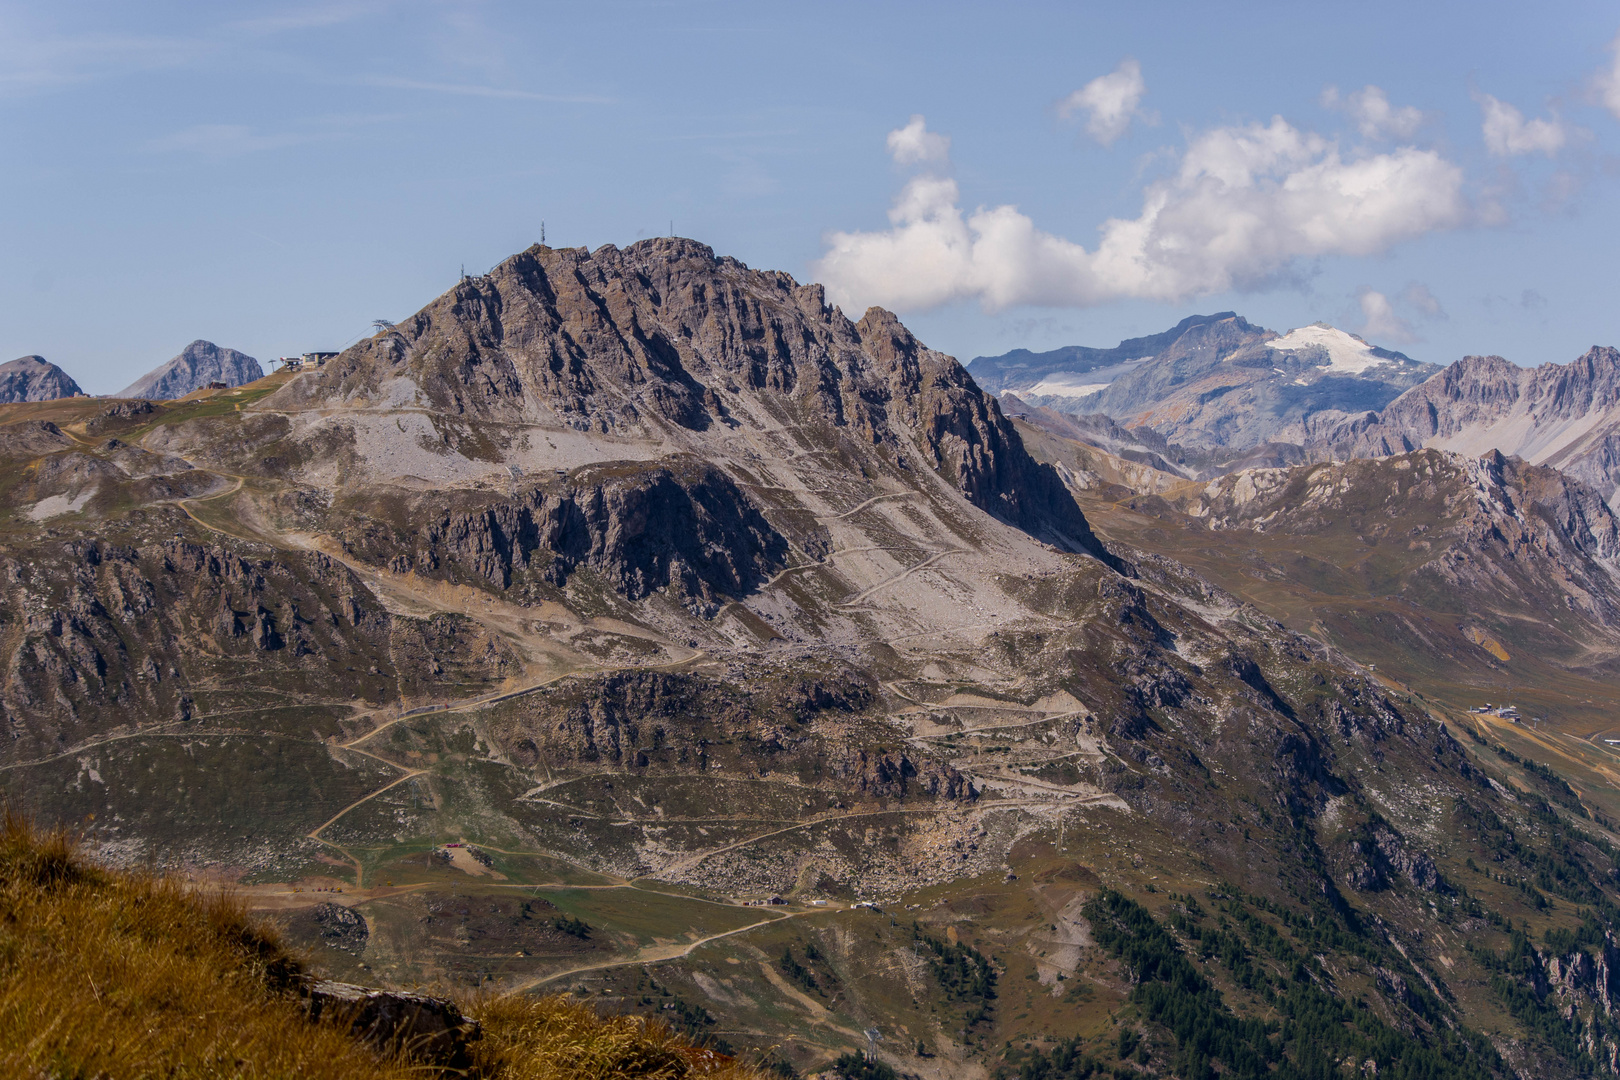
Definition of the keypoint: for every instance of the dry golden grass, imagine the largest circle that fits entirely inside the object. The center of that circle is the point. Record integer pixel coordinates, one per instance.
(128, 976)
(556, 1038)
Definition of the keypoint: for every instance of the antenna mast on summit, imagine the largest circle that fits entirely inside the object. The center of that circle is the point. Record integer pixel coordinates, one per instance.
(542, 234)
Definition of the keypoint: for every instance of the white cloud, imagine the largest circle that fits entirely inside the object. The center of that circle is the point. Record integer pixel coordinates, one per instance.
(1417, 295)
(1379, 321)
(1508, 133)
(1374, 116)
(1110, 100)
(1245, 203)
(1608, 80)
(914, 144)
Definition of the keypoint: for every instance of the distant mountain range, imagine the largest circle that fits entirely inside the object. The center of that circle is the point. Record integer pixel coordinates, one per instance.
(1214, 380)
(1216, 393)
(1563, 415)
(33, 378)
(200, 363)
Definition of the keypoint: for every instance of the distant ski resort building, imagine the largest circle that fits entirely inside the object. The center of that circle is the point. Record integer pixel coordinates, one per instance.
(306, 360)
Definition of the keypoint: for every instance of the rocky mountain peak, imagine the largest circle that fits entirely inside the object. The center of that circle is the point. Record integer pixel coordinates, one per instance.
(197, 365)
(666, 346)
(33, 378)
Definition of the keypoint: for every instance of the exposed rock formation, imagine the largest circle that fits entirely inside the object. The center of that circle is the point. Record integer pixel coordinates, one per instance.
(643, 528)
(663, 341)
(1563, 415)
(200, 363)
(429, 1029)
(33, 378)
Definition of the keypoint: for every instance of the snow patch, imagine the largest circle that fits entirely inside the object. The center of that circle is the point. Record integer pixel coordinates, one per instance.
(1058, 388)
(1346, 352)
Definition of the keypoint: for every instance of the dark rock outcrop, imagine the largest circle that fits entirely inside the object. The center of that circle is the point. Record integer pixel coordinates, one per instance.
(200, 363)
(33, 378)
(342, 927)
(429, 1029)
(684, 524)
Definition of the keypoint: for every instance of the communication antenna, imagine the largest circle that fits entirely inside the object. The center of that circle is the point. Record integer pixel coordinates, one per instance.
(463, 271)
(542, 234)
(672, 226)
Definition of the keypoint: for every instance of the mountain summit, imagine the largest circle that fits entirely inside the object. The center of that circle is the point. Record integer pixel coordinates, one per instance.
(33, 378)
(198, 364)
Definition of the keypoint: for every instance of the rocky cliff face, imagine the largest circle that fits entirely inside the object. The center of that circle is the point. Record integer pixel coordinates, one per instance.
(33, 378)
(967, 439)
(198, 364)
(642, 528)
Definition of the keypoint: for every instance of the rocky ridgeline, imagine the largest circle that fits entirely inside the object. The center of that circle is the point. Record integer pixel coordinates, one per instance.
(1565, 415)
(663, 340)
(1479, 523)
(1212, 390)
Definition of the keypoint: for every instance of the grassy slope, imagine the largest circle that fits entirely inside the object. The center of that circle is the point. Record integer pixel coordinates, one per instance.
(117, 975)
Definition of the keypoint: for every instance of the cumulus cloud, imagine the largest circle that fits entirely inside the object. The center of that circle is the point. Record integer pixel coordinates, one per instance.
(1109, 101)
(1373, 115)
(1380, 322)
(1508, 133)
(1608, 80)
(914, 144)
(1244, 204)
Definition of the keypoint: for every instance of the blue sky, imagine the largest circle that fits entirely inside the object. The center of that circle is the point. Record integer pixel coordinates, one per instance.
(272, 177)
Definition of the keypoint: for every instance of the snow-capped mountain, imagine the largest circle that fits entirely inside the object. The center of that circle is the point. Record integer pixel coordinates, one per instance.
(1214, 381)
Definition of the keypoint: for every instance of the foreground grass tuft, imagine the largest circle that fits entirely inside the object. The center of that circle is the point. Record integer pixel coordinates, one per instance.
(128, 975)
(556, 1038)
(110, 974)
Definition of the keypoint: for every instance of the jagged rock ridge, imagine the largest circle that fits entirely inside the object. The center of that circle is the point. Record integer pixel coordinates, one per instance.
(665, 342)
(1563, 415)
